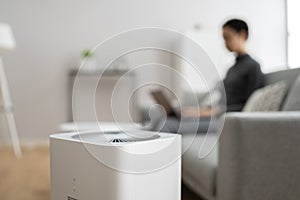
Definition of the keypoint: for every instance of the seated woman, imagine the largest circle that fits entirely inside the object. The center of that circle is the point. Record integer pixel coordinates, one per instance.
(241, 80)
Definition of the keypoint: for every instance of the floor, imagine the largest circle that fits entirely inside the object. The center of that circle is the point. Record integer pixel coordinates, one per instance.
(28, 178)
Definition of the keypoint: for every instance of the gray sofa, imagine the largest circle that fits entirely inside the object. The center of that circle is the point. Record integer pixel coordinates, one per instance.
(253, 156)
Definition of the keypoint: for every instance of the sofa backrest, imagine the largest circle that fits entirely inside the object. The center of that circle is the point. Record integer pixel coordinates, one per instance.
(288, 76)
(291, 78)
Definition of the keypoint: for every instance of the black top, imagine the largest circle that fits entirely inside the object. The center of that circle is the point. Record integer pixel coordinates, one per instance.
(242, 79)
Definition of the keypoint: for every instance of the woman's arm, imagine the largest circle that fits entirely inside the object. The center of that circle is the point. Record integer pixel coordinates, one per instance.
(199, 112)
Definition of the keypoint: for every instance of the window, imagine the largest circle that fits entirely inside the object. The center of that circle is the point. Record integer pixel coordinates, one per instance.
(293, 25)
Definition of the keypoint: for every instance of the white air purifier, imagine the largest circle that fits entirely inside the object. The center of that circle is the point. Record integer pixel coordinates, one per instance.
(118, 165)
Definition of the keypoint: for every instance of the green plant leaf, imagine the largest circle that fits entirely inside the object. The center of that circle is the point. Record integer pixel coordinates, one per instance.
(87, 53)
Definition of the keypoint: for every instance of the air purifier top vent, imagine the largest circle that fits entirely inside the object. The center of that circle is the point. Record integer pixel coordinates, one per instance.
(114, 137)
(70, 198)
(131, 139)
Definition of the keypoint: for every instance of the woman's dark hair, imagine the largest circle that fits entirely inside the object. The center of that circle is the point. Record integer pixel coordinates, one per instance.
(237, 25)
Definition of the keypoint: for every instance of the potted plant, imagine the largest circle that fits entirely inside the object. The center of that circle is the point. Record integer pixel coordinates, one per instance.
(88, 61)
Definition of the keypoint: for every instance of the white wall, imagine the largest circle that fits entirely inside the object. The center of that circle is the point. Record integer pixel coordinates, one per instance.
(51, 34)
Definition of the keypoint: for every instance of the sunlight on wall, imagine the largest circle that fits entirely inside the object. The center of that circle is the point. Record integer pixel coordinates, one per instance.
(294, 33)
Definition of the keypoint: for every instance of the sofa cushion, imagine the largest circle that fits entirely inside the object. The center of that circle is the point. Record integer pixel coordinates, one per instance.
(199, 174)
(292, 102)
(268, 98)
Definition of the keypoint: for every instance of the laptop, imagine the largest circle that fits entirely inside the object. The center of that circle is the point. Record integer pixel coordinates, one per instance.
(162, 100)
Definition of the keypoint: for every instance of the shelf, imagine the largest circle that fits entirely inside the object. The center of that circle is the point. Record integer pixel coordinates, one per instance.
(110, 72)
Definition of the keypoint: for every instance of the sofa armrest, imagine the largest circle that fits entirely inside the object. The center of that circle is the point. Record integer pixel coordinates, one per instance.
(259, 156)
